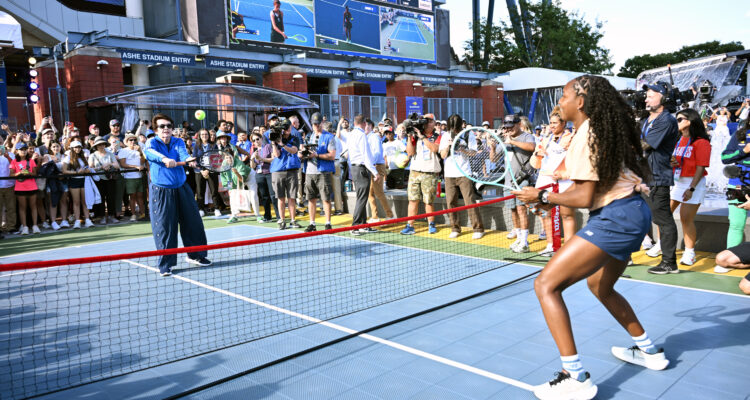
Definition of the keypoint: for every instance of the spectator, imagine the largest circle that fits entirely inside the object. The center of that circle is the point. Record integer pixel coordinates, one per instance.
(131, 157)
(284, 171)
(102, 160)
(300, 172)
(75, 163)
(690, 159)
(342, 128)
(519, 146)
(57, 188)
(338, 194)
(455, 181)
(223, 127)
(4, 131)
(41, 195)
(375, 141)
(115, 145)
(261, 158)
(7, 194)
(362, 169)
(93, 130)
(743, 112)
(239, 177)
(422, 147)
(737, 152)
(204, 177)
(659, 137)
(549, 159)
(319, 168)
(25, 189)
(393, 151)
(114, 130)
(736, 257)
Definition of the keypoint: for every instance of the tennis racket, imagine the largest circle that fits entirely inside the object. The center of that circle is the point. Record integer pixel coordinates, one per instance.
(216, 160)
(481, 156)
(298, 37)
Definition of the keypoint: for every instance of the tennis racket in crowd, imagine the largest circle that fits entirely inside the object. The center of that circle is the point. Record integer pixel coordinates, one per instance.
(480, 155)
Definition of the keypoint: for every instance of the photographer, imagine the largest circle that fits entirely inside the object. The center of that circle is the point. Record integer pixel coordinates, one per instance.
(520, 146)
(423, 148)
(318, 156)
(659, 136)
(284, 170)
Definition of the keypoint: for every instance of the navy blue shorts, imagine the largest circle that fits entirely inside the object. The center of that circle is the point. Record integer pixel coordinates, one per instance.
(619, 227)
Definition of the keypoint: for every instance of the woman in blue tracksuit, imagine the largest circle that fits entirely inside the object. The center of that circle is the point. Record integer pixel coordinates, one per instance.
(171, 201)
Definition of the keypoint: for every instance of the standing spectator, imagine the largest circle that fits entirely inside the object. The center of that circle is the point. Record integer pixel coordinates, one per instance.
(204, 177)
(244, 144)
(375, 141)
(75, 163)
(343, 128)
(393, 151)
(423, 147)
(743, 112)
(519, 146)
(7, 195)
(262, 158)
(362, 169)
(58, 197)
(41, 184)
(131, 157)
(114, 130)
(659, 137)
(171, 203)
(4, 131)
(338, 195)
(300, 172)
(223, 127)
(319, 168)
(115, 145)
(284, 171)
(690, 159)
(102, 160)
(25, 189)
(239, 177)
(455, 182)
(93, 130)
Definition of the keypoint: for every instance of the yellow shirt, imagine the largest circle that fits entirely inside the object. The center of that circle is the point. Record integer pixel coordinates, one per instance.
(580, 169)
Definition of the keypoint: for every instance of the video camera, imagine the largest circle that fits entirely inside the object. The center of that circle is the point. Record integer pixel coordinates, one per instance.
(415, 125)
(738, 193)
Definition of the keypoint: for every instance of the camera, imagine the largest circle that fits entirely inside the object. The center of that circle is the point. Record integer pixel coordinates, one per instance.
(415, 125)
(738, 193)
(276, 134)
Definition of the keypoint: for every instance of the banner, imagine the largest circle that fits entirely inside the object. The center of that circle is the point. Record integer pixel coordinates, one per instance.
(322, 72)
(466, 81)
(413, 105)
(435, 80)
(374, 75)
(235, 64)
(153, 57)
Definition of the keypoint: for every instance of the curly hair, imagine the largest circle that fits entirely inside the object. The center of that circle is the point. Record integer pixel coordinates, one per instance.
(615, 138)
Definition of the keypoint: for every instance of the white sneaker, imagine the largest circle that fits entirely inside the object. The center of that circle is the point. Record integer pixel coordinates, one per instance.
(453, 235)
(514, 244)
(688, 258)
(46, 225)
(77, 224)
(35, 229)
(133, 218)
(635, 355)
(548, 251)
(565, 387)
(24, 230)
(721, 270)
(64, 224)
(373, 220)
(217, 213)
(113, 220)
(654, 251)
(647, 243)
(202, 213)
(512, 234)
(520, 248)
(477, 235)
(88, 224)
(55, 226)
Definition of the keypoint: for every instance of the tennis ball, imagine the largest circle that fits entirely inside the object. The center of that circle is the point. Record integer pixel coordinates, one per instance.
(200, 115)
(402, 160)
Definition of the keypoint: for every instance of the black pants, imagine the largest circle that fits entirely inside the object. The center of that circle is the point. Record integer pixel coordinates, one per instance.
(213, 187)
(267, 196)
(106, 189)
(658, 202)
(361, 178)
(344, 177)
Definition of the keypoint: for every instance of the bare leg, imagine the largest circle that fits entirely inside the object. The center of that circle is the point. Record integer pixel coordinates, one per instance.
(312, 205)
(22, 201)
(429, 208)
(568, 216)
(687, 217)
(602, 284)
(293, 208)
(327, 210)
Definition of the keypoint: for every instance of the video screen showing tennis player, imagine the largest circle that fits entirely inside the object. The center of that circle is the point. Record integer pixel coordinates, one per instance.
(407, 35)
(347, 25)
(288, 22)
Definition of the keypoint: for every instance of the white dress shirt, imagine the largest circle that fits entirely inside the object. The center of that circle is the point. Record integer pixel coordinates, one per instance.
(359, 149)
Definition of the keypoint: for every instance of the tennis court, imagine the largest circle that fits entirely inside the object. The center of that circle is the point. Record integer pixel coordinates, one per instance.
(154, 337)
(298, 20)
(408, 31)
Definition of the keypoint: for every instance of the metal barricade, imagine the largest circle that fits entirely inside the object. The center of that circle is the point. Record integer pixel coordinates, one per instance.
(469, 109)
(335, 107)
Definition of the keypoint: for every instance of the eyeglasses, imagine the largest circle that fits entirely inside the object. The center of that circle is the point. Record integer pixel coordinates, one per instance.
(256, 140)
(680, 119)
(164, 126)
(117, 125)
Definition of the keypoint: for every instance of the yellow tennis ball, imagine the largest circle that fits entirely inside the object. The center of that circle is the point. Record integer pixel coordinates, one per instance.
(200, 115)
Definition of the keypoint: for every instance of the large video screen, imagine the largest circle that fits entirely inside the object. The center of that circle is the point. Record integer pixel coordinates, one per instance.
(336, 26)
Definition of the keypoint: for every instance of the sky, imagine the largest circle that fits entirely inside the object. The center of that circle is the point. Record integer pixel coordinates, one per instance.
(635, 27)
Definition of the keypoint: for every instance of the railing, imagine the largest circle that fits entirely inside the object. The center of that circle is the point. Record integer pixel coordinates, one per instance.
(469, 109)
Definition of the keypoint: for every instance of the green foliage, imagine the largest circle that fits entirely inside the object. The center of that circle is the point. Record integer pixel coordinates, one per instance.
(635, 65)
(560, 39)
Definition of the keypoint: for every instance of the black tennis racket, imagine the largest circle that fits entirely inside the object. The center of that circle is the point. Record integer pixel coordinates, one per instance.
(216, 160)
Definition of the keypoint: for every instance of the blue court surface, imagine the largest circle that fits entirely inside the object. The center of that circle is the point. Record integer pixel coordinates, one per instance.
(493, 346)
(298, 20)
(408, 31)
(329, 20)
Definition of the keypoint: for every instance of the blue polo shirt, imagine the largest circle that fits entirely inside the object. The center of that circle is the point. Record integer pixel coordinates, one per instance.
(162, 176)
(287, 160)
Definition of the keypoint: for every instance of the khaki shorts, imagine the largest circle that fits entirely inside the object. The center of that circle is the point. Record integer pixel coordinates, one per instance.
(318, 186)
(285, 183)
(134, 185)
(422, 186)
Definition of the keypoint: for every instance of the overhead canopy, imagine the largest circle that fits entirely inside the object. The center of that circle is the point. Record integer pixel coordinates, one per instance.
(10, 31)
(537, 78)
(207, 96)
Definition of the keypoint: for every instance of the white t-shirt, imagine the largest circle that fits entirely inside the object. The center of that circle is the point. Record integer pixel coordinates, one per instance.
(745, 113)
(5, 172)
(391, 150)
(449, 165)
(132, 157)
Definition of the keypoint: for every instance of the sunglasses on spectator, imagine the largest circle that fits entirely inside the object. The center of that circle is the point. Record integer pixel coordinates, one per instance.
(680, 119)
(117, 125)
(164, 126)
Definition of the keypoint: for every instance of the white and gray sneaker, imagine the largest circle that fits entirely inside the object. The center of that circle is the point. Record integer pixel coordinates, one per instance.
(654, 251)
(634, 355)
(688, 258)
(565, 387)
(721, 270)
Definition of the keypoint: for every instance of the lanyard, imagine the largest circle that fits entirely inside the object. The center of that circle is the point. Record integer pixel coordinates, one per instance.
(648, 127)
(684, 149)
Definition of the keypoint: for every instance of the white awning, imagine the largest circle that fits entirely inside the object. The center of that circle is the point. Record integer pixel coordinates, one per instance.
(537, 78)
(10, 31)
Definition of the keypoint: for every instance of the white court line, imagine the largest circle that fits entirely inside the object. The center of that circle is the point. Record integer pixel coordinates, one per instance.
(340, 328)
(309, 25)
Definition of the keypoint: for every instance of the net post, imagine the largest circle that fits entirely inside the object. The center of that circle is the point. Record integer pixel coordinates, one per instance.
(555, 216)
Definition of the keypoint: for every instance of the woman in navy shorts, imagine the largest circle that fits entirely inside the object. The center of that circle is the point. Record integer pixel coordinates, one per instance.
(608, 170)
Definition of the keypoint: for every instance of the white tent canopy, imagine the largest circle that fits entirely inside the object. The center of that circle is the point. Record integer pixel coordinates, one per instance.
(10, 30)
(536, 78)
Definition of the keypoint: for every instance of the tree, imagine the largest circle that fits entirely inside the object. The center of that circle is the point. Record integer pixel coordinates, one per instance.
(560, 39)
(635, 65)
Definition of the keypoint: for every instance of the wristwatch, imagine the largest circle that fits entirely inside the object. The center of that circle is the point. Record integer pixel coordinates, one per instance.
(692, 189)
(544, 197)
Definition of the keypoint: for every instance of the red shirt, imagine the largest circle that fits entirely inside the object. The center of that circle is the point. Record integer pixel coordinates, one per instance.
(692, 154)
